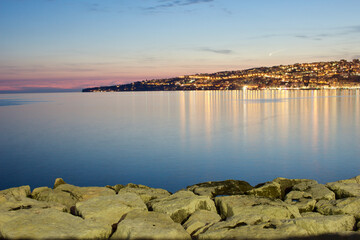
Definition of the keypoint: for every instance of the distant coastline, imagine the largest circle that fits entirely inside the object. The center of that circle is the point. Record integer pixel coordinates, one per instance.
(300, 76)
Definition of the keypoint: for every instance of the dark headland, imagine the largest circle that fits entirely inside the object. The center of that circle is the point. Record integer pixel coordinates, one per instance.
(317, 75)
(232, 209)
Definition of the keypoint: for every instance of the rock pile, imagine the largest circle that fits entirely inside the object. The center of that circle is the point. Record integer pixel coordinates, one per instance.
(231, 209)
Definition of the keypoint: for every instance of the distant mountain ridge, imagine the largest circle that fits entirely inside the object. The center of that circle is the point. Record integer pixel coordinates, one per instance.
(316, 75)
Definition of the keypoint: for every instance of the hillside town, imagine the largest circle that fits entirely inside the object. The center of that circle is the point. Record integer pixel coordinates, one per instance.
(317, 75)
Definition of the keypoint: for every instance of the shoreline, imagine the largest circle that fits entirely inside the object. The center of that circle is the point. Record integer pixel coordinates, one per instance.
(281, 208)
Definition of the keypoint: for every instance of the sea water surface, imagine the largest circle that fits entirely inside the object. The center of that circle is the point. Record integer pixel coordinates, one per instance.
(174, 139)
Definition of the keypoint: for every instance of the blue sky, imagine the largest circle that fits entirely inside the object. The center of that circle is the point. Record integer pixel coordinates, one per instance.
(71, 44)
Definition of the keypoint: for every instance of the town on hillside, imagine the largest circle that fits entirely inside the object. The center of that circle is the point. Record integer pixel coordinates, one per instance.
(317, 75)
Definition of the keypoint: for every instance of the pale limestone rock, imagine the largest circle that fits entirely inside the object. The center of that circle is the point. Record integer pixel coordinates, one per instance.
(317, 191)
(227, 187)
(342, 206)
(58, 182)
(116, 187)
(326, 224)
(270, 190)
(54, 195)
(344, 189)
(287, 184)
(149, 225)
(351, 180)
(311, 214)
(28, 203)
(199, 221)
(48, 224)
(14, 193)
(301, 200)
(146, 193)
(270, 230)
(251, 205)
(85, 193)
(108, 210)
(182, 204)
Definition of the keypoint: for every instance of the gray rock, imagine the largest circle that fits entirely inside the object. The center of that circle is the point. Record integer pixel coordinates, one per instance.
(199, 221)
(349, 206)
(14, 193)
(287, 184)
(344, 189)
(108, 210)
(270, 190)
(48, 224)
(227, 187)
(250, 205)
(84, 193)
(302, 200)
(54, 196)
(317, 191)
(182, 204)
(146, 193)
(148, 225)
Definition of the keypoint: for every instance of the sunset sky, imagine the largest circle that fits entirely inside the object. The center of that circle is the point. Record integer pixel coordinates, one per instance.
(57, 45)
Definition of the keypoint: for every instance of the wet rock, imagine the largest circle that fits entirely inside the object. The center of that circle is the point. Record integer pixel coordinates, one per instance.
(250, 205)
(182, 204)
(349, 206)
(302, 200)
(54, 196)
(146, 193)
(108, 210)
(344, 189)
(227, 187)
(317, 191)
(149, 225)
(14, 193)
(48, 224)
(287, 184)
(270, 190)
(199, 221)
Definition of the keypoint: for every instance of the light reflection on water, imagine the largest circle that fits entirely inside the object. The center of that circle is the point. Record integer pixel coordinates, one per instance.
(174, 139)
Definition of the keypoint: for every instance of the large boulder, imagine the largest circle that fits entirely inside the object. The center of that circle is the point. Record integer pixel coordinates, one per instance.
(349, 206)
(199, 221)
(317, 191)
(54, 196)
(270, 190)
(48, 224)
(14, 193)
(146, 193)
(84, 193)
(227, 187)
(108, 210)
(182, 204)
(28, 203)
(302, 200)
(250, 205)
(287, 184)
(344, 189)
(149, 225)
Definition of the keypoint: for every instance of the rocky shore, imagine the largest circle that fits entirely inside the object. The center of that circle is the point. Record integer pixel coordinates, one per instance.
(231, 209)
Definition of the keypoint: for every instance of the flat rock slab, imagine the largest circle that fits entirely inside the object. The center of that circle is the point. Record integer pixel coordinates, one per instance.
(85, 193)
(146, 193)
(15, 193)
(251, 205)
(227, 187)
(349, 206)
(108, 210)
(48, 224)
(199, 221)
(149, 225)
(55, 196)
(317, 191)
(28, 203)
(182, 204)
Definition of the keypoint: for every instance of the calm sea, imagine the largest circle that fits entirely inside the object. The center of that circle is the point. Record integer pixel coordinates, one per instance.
(174, 139)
